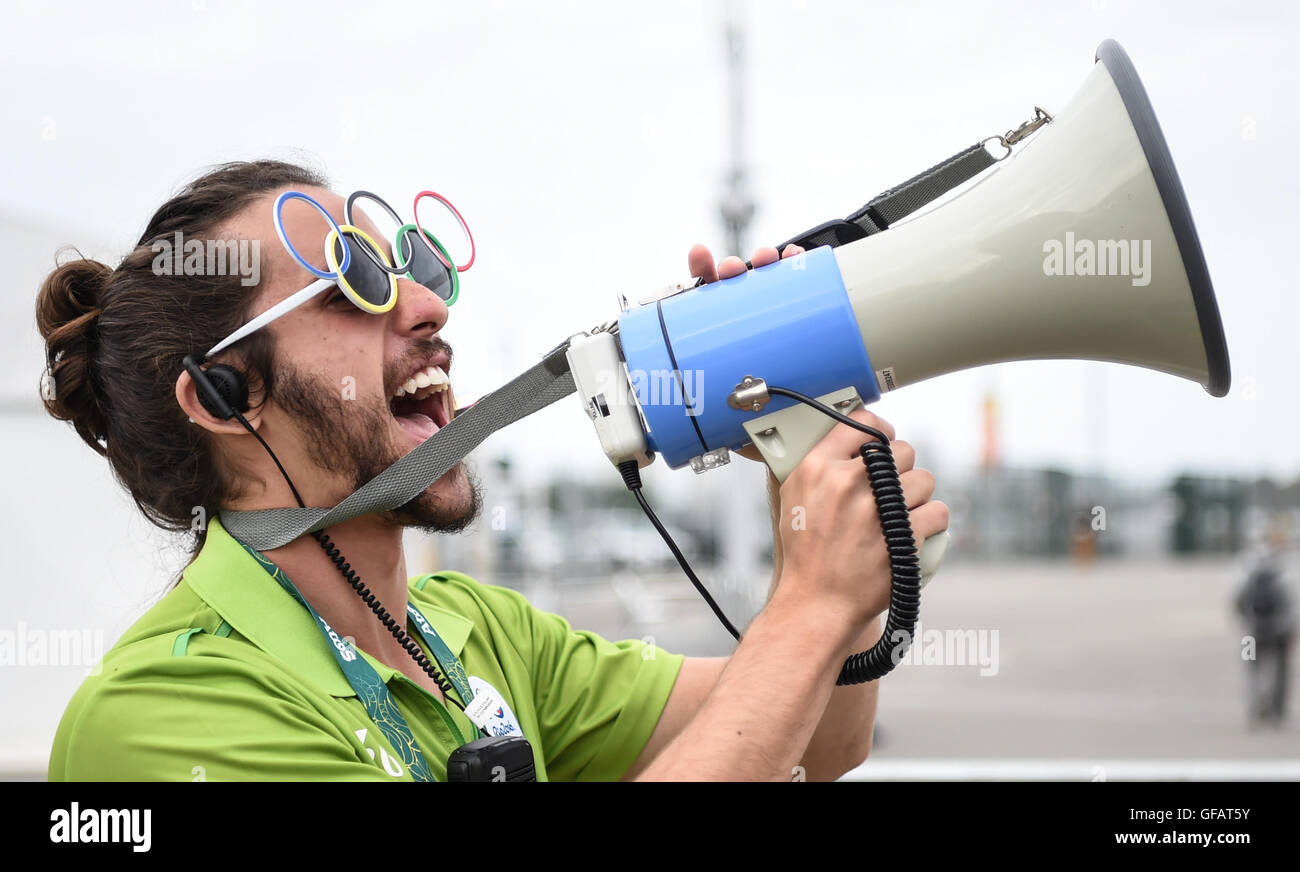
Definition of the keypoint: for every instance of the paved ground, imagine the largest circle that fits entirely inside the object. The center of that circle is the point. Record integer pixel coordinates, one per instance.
(1117, 661)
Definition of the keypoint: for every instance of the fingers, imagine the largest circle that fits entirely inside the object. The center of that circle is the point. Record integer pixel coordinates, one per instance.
(763, 255)
(904, 454)
(928, 520)
(702, 266)
(701, 263)
(843, 441)
(730, 267)
(918, 486)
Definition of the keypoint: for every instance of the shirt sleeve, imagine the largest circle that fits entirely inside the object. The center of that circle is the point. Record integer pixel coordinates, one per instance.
(199, 719)
(598, 701)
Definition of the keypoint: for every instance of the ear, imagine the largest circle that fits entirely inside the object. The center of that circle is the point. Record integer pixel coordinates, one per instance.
(187, 397)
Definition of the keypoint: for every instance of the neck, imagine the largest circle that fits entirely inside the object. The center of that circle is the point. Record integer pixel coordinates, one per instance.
(370, 545)
(373, 549)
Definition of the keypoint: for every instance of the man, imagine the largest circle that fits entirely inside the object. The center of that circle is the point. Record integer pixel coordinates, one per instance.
(231, 677)
(1264, 604)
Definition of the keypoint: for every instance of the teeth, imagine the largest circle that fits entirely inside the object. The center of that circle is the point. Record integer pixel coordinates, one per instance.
(431, 377)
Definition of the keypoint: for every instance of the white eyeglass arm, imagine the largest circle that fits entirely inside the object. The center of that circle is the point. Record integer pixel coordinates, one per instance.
(288, 304)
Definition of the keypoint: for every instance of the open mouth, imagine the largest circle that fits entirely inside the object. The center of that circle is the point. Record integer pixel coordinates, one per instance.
(423, 404)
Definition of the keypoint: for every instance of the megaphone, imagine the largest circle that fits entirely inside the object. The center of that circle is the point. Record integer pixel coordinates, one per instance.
(1080, 245)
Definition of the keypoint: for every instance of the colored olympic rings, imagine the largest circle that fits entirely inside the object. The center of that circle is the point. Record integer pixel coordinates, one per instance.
(415, 208)
(284, 239)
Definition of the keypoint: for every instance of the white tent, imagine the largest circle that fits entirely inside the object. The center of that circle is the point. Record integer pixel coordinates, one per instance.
(83, 563)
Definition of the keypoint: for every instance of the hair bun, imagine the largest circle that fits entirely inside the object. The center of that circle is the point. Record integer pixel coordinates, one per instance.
(67, 314)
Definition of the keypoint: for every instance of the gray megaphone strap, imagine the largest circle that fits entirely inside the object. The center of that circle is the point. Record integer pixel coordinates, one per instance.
(410, 476)
(895, 204)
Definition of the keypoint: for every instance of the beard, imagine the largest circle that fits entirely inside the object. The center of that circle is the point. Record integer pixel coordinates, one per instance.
(352, 437)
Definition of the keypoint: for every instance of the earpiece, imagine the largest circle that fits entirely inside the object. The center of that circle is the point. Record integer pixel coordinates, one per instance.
(222, 389)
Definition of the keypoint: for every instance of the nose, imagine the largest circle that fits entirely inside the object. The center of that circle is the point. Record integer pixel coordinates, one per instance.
(419, 311)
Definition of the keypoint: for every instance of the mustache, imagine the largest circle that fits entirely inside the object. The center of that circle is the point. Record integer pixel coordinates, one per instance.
(420, 351)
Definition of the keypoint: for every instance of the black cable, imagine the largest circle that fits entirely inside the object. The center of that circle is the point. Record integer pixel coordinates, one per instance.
(631, 473)
(336, 557)
(904, 566)
(387, 619)
(278, 464)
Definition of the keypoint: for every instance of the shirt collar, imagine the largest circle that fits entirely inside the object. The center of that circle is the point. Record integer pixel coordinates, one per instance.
(228, 579)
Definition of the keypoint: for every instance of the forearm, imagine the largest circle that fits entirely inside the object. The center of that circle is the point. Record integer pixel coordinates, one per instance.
(757, 721)
(842, 739)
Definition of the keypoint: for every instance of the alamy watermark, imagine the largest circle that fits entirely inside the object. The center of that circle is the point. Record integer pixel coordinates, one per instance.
(669, 387)
(934, 647)
(132, 826)
(1100, 257)
(31, 646)
(655, 387)
(208, 257)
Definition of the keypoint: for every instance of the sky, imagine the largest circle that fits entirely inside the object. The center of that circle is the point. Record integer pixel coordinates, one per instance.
(587, 144)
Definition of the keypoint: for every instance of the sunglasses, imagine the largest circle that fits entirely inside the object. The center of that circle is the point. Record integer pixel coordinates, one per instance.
(360, 268)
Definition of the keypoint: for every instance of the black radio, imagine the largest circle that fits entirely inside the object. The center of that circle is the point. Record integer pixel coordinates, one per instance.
(496, 758)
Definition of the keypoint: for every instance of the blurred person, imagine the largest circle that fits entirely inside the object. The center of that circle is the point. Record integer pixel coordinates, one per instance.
(1083, 539)
(232, 675)
(1266, 606)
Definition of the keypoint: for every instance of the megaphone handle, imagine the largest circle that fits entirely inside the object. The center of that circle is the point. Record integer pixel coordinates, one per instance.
(933, 549)
(784, 438)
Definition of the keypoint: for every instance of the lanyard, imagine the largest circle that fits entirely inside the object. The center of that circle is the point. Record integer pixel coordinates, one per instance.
(449, 662)
(370, 688)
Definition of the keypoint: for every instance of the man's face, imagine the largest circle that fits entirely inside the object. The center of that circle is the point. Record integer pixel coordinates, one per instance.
(339, 370)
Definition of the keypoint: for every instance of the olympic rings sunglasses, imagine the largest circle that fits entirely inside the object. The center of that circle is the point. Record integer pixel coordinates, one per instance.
(359, 266)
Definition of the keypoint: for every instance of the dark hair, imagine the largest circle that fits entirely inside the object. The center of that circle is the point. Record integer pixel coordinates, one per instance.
(115, 340)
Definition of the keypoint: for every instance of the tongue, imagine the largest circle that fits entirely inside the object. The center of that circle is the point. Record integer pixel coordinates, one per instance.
(418, 424)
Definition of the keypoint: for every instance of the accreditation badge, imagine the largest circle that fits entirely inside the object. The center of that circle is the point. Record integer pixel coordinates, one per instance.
(490, 712)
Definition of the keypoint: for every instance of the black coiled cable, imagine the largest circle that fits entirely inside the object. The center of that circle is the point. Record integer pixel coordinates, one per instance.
(385, 618)
(904, 565)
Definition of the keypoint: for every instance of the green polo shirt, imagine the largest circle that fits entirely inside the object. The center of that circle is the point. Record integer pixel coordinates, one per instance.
(228, 678)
